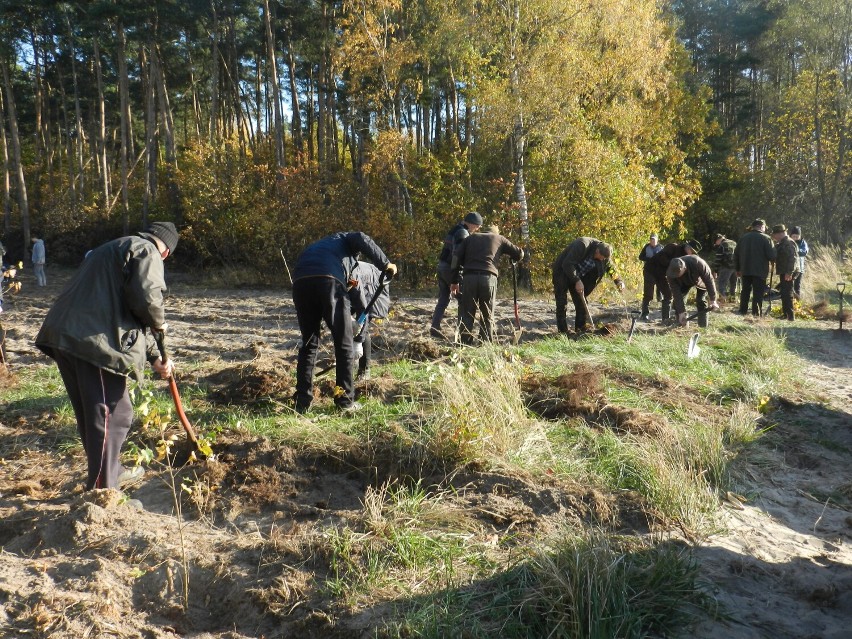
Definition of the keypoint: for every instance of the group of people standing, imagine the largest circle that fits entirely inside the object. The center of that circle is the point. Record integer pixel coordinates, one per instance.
(758, 256)
(753, 262)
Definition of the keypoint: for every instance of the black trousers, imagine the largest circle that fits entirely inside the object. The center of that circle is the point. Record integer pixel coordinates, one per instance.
(561, 290)
(786, 289)
(104, 414)
(319, 299)
(755, 287)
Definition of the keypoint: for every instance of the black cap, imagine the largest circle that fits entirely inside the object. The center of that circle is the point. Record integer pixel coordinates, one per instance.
(165, 232)
(695, 244)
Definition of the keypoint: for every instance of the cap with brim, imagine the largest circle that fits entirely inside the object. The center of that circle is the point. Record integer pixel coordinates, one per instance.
(490, 228)
(779, 228)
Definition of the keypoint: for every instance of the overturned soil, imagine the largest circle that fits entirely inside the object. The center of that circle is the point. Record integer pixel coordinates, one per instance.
(252, 525)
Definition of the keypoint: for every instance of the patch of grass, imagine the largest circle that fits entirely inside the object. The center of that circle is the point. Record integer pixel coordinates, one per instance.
(577, 586)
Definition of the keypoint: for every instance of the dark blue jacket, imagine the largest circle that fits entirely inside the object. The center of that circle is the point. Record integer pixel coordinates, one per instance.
(336, 256)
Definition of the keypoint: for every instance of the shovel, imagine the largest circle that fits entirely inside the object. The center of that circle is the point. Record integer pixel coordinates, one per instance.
(516, 330)
(585, 305)
(160, 338)
(634, 315)
(692, 349)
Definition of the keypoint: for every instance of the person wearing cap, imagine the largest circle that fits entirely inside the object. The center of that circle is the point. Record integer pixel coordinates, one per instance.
(577, 271)
(658, 265)
(803, 249)
(455, 236)
(752, 256)
(724, 268)
(787, 266)
(686, 272)
(322, 278)
(96, 333)
(649, 282)
(476, 260)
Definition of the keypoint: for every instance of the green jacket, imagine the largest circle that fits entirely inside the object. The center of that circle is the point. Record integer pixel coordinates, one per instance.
(787, 262)
(753, 254)
(101, 315)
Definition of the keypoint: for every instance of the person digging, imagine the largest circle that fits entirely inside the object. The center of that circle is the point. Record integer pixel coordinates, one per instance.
(96, 333)
(683, 274)
(577, 271)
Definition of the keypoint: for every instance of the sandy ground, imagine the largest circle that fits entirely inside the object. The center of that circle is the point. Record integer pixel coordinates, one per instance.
(77, 564)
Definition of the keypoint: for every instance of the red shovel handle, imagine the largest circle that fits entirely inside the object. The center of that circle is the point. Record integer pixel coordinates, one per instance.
(160, 338)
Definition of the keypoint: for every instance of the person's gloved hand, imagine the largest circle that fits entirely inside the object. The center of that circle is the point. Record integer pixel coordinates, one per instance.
(620, 284)
(681, 318)
(454, 289)
(390, 270)
(714, 305)
(579, 287)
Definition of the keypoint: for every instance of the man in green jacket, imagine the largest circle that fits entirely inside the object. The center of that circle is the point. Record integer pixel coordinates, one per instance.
(752, 256)
(787, 266)
(95, 331)
(577, 271)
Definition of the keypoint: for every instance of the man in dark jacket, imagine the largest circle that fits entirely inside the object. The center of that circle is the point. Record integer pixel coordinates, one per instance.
(321, 279)
(658, 264)
(368, 279)
(478, 255)
(649, 283)
(685, 272)
(787, 266)
(752, 256)
(577, 271)
(470, 224)
(724, 267)
(95, 331)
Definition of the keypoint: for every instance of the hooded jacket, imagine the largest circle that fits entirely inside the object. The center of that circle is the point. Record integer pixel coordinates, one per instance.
(101, 315)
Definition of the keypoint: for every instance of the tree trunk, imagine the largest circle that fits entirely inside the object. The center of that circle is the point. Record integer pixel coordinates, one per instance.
(151, 146)
(276, 98)
(78, 115)
(12, 116)
(102, 148)
(168, 127)
(295, 107)
(214, 81)
(125, 125)
(7, 187)
(39, 141)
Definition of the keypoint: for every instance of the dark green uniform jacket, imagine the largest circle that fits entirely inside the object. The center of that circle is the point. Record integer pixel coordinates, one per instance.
(102, 314)
(787, 262)
(753, 254)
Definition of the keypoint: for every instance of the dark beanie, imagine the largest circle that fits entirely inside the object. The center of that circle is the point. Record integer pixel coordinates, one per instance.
(165, 232)
(473, 218)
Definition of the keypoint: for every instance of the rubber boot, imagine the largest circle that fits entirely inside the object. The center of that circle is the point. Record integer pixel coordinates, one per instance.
(645, 312)
(702, 319)
(562, 324)
(666, 309)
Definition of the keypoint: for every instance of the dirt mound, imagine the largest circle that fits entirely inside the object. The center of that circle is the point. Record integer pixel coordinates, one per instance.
(246, 385)
(579, 392)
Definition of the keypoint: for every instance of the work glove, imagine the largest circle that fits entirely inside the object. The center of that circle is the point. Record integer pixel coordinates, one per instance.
(681, 318)
(714, 305)
(521, 258)
(620, 284)
(390, 270)
(579, 287)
